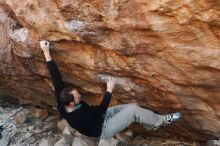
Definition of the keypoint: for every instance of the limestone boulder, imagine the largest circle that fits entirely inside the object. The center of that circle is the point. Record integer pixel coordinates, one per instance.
(164, 53)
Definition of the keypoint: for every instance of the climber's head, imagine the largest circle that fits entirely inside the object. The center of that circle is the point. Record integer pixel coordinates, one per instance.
(70, 96)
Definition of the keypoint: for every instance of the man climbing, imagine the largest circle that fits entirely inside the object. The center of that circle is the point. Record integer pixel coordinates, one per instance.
(99, 121)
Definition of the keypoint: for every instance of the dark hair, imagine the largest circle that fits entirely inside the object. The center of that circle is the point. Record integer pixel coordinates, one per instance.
(66, 97)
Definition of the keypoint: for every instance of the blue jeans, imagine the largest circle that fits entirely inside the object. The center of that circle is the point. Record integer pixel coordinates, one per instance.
(117, 118)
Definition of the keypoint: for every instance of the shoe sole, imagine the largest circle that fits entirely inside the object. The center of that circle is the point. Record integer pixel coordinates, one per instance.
(177, 119)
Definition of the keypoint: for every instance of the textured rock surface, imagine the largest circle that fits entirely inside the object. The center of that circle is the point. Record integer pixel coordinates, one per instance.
(165, 53)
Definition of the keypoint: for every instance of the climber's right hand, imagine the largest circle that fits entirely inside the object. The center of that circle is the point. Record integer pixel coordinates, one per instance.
(111, 84)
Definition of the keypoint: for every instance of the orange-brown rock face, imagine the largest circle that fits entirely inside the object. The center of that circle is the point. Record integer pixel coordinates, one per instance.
(165, 54)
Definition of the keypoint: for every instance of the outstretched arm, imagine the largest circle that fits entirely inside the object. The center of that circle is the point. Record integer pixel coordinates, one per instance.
(53, 70)
(108, 94)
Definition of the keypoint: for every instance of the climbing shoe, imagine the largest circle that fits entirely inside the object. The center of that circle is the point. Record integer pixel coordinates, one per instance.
(173, 117)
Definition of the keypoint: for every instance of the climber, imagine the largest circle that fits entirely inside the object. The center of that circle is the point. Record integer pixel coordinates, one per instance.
(99, 121)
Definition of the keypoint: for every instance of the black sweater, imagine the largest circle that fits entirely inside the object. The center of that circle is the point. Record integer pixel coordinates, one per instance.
(88, 120)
